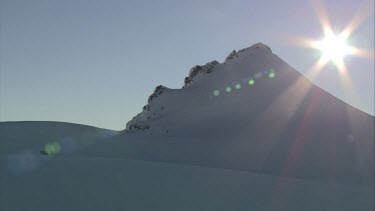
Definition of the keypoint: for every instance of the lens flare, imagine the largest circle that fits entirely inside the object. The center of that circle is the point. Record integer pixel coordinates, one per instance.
(333, 47)
(216, 93)
(271, 73)
(52, 148)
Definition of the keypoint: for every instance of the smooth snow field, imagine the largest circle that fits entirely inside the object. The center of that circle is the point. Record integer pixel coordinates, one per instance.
(91, 173)
(95, 183)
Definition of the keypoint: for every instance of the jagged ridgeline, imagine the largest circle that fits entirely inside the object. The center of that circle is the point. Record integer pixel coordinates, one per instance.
(198, 69)
(154, 108)
(136, 124)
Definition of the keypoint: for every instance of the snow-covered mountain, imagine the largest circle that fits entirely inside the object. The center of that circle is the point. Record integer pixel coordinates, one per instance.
(250, 133)
(258, 113)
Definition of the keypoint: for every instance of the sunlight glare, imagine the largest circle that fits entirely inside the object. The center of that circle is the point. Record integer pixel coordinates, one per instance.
(333, 47)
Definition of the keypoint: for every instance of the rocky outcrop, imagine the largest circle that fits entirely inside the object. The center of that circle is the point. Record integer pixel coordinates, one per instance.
(231, 55)
(157, 92)
(138, 123)
(138, 127)
(198, 69)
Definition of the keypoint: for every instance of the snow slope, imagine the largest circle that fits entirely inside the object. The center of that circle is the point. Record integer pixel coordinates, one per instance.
(18, 136)
(21, 143)
(251, 133)
(118, 184)
(273, 120)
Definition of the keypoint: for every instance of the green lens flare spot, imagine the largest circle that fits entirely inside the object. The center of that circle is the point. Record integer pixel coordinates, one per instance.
(228, 89)
(216, 93)
(271, 75)
(251, 82)
(52, 149)
(238, 86)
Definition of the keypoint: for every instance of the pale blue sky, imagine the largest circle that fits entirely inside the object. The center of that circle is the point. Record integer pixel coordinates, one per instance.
(96, 62)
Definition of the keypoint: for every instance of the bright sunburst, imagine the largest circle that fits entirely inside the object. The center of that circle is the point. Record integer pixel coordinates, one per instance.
(333, 47)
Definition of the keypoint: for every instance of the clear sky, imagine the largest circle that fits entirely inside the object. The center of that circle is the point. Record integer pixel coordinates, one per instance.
(96, 62)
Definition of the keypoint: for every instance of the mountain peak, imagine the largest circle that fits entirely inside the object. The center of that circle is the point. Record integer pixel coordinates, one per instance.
(257, 46)
(250, 63)
(252, 49)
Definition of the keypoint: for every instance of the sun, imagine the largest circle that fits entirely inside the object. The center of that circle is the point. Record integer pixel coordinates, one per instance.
(333, 48)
